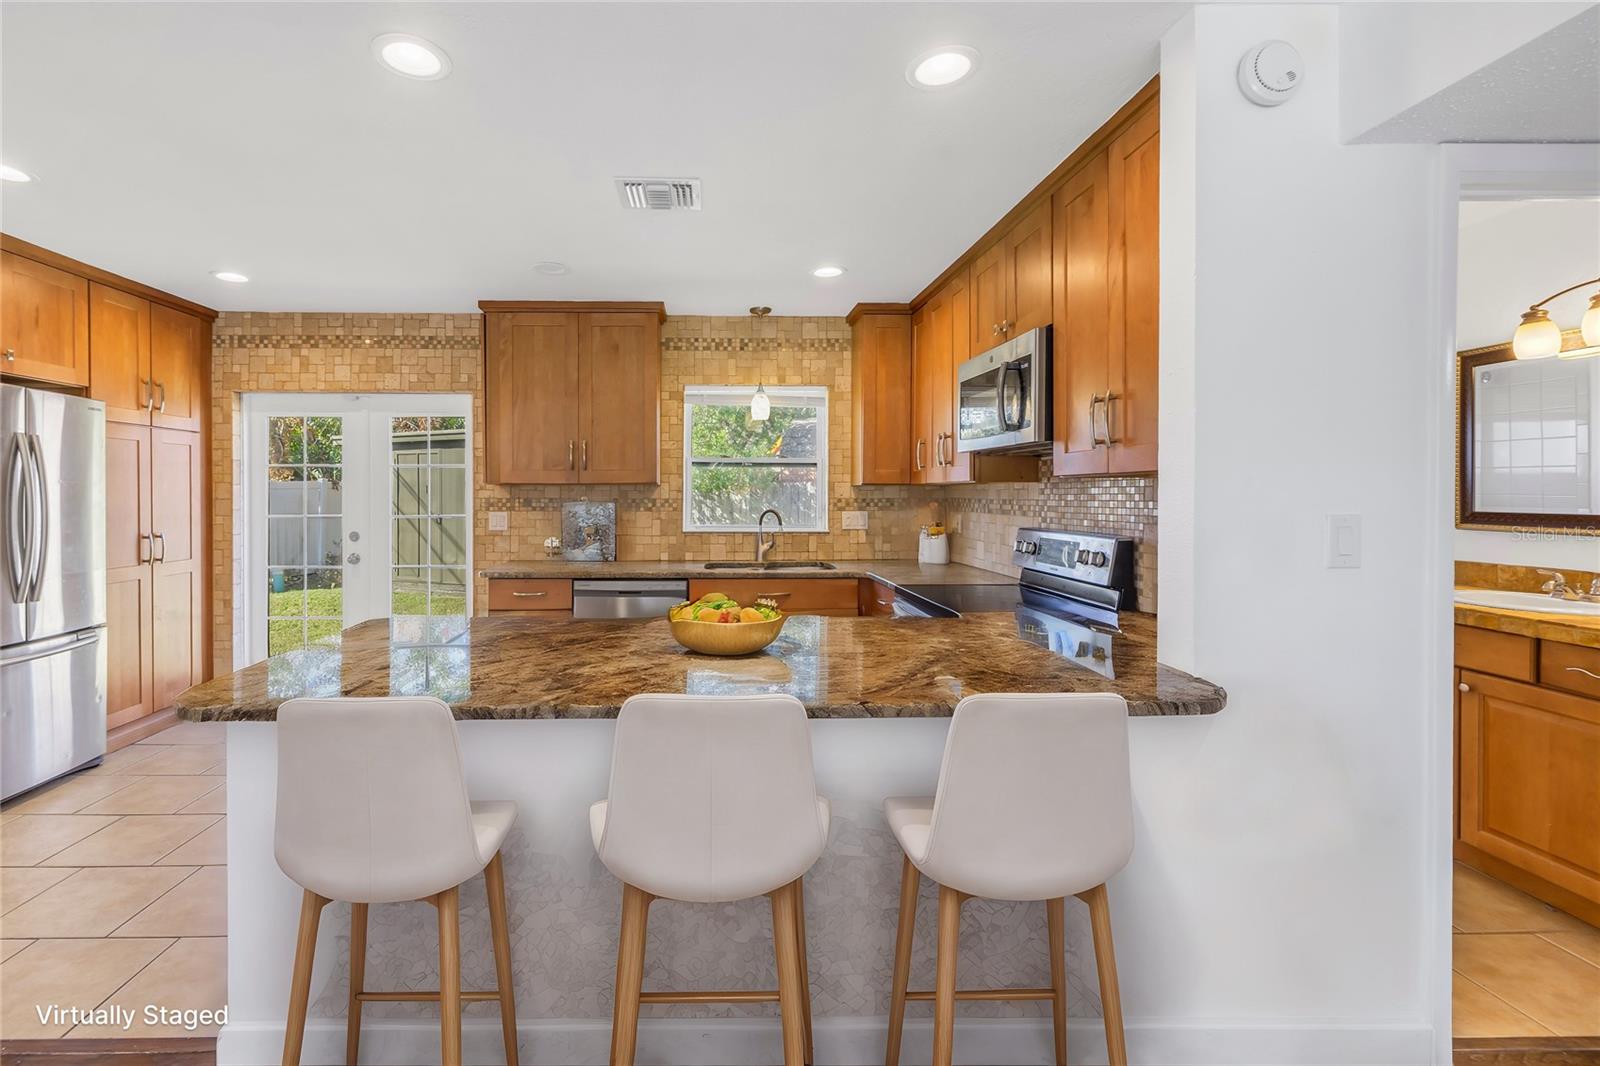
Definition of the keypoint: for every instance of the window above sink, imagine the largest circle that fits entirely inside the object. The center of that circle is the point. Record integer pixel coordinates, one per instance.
(735, 467)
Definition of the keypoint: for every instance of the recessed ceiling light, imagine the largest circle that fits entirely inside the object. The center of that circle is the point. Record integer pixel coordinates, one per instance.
(827, 272)
(552, 268)
(13, 174)
(942, 66)
(411, 56)
(230, 275)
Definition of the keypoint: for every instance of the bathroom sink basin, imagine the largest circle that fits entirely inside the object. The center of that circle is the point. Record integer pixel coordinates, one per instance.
(779, 565)
(1527, 601)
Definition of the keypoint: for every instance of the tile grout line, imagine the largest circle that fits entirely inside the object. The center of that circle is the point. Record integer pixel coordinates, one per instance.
(126, 983)
(114, 820)
(215, 818)
(158, 899)
(1508, 1006)
(1545, 937)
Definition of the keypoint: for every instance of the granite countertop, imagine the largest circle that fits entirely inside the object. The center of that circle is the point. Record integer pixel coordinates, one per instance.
(1563, 628)
(870, 667)
(894, 572)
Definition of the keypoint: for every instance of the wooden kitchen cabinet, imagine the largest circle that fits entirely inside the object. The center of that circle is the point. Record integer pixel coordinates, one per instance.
(180, 356)
(130, 636)
(881, 377)
(806, 595)
(1131, 407)
(44, 322)
(1011, 283)
(119, 353)
(572, 396)
(874, 598)
(523, 595)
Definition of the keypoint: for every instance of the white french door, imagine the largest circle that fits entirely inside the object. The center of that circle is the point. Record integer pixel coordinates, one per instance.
(357, 507)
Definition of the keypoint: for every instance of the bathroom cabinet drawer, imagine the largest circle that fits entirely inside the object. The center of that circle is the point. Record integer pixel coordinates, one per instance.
(528, 594)
(1569, 666)
(1491, 652)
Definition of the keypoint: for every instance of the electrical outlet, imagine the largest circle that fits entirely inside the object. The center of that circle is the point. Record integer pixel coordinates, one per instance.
(853, 519)
(498, 521)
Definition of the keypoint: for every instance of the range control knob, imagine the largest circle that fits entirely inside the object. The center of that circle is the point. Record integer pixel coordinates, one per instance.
(1033, 547)
(1098, 559)
(1019, 546)
(1083, 555)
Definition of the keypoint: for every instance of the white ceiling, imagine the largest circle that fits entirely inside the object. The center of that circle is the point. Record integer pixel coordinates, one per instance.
(171, 140)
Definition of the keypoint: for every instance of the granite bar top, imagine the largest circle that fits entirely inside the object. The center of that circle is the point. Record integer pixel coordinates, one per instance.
(870, 667)
(1563, 628)
(893, 572)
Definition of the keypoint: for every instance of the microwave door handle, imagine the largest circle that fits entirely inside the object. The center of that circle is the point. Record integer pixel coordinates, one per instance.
(1005, 419)
(19, 520)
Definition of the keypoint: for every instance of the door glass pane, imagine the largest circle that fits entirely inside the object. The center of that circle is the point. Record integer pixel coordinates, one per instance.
(324, 488)
(305, 579)
(428, 499)
(448, 541)
(286, 541)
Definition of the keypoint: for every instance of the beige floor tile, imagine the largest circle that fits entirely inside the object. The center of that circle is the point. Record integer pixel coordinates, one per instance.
(190, 975)
(219, 770)
(122, 761)
(32, 838)
(210, 848)
(198, 906)
(1583, 943)
(1476, 1012)
(9, 948)
(93, 902)
(1484, 905)
(69, 795)
(213, 802)
(69, 973)
(189, 733)
(1550, 985)
(155, 795)
(135, 840)
(184, 759)
(18, 884)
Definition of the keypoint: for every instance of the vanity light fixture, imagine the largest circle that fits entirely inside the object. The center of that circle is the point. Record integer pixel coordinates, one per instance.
(1538, 336)
(233, 277)
(411, 56)
(10, 173)
(942, 66)
(827, 272)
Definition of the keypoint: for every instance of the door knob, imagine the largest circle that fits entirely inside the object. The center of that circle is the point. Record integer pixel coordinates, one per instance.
(354, 536)
(353, 558)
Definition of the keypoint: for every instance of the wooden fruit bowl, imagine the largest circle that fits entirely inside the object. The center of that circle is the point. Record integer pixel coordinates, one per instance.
(726, 638)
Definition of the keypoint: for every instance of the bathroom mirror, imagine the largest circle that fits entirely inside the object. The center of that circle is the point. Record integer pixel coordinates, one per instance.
(1526, 444)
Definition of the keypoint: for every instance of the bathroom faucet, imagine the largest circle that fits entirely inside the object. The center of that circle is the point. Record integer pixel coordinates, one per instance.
(767, 543)
(1557, 587)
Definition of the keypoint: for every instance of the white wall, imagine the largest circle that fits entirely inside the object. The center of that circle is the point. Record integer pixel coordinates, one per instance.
(1511, 254)
(1296, 277)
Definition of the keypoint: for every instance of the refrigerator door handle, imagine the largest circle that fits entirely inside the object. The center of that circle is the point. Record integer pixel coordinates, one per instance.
(43, 649)
(18, 550)
(42, 525)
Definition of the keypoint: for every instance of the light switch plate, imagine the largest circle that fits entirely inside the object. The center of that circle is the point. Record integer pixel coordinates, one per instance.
(853, 519)
(498, 521)
(1344, 541)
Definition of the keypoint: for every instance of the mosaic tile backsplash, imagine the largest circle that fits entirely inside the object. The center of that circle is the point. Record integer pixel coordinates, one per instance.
(306, 352)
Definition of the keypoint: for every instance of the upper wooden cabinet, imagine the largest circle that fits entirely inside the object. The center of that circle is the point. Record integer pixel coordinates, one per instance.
(148, 361)
(1010, 282)
(572, 395)
(1105, 352)
(180, 355)
(44, 322)
(882, 406)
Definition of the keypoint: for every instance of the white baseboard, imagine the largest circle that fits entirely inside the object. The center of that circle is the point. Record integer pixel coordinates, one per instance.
(845, 1042)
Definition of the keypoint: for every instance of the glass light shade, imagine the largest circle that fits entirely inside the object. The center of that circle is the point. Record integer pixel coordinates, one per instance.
(1537, 337)
(760, 405)
(1591, 322)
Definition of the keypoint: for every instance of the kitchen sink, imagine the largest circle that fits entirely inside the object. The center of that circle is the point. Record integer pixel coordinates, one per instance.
(1527, 601)
(779, 565)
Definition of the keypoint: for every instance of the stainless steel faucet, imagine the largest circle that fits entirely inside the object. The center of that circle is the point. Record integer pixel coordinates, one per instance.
(1557, 587)
(764, 544)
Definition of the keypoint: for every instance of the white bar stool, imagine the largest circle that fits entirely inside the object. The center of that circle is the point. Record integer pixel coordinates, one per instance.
(712, 800)
(1033, 803)
(373, 808)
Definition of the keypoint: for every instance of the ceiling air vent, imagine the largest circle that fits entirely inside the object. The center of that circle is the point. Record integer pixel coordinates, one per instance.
(660, 194)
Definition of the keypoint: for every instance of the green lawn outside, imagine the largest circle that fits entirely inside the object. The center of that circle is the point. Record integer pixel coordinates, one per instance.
(285, 612)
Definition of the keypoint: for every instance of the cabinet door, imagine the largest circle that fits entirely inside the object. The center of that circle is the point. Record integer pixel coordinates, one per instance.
(1530, 780)
(180, 355)
(952, 324)
(531, 398)
(881, 379)
(1135, 186)
(924, 468)
(130, 680)
(177, 525)
(44, 322)
(1027, 267)
(619, 398)
(119, 350)
(990, 300)
(807, 595)
(1080, 335)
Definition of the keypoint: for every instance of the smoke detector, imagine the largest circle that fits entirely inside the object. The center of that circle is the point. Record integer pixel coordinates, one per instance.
(1270, 72)
(659, 194)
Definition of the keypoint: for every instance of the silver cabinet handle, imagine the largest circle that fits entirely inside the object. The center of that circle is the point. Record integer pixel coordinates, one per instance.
(938, 450)
(162, 537)
(11, 355)
(147, 547)
(41, 533)
(162, 406)
(584, 448)
(572, 455)
(1464, 687)
(1094, 424)
(149, 394)
(1109, 438)
(529, 595)
(994, 330)
(1585, 673)
(17, 527)
(950, 443)
(921, 443)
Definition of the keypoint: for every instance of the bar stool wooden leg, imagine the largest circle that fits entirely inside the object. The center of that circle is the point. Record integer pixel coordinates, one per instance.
(494, 882)
(910, 881)
(630, 975)
(805, 965)
(305, 949)
(790, 1004)
(358, 978)
(1105, 959)
(1056, 917)
(944, 986)
(448, 903)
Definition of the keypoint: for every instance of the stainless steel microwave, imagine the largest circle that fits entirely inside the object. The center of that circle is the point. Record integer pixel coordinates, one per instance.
(1003, 396)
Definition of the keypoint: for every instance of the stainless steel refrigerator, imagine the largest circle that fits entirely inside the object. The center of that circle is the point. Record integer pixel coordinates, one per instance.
(53, 609)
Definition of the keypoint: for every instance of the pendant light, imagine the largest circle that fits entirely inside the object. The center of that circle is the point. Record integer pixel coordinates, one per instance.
(1538, 336)
(760, 403)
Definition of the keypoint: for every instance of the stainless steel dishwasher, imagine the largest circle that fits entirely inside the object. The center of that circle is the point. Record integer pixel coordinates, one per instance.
(626, 599)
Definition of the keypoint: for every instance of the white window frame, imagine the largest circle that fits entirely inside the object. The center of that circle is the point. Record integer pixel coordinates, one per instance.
(741, 394)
